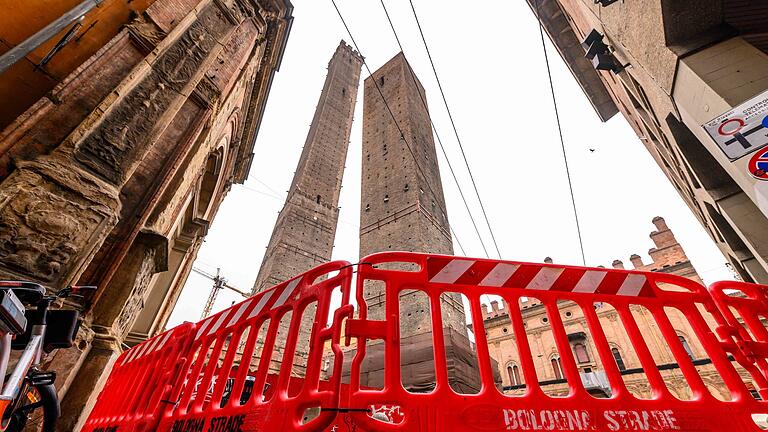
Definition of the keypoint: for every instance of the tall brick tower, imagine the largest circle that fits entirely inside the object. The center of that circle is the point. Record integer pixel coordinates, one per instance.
(305, 229)
(403, 208)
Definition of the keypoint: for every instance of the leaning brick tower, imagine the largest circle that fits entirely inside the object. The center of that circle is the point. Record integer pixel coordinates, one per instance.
(305, 229)
(403, 209)
(306, 226)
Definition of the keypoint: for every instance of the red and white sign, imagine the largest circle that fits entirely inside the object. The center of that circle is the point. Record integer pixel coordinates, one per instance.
(743, 129)
(758, 165)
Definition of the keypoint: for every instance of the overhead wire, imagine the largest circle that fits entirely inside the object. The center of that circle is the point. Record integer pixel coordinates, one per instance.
(397, 125)
(284, 198)
(439, 141)
(453, 124)
(560, 130)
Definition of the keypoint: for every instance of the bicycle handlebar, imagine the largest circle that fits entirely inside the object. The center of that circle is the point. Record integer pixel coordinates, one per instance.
(76, 290)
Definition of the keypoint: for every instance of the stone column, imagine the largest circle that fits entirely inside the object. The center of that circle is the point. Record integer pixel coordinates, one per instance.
(111, 321)
(148, 321)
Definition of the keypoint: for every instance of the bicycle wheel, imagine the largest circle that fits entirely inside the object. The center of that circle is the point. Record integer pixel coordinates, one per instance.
(25, 409)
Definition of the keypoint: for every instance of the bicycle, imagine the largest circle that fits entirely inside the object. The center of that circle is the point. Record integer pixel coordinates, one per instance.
(36, 332)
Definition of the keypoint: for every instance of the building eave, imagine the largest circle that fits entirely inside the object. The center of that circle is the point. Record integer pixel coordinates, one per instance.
(260, 95)
(569, 47)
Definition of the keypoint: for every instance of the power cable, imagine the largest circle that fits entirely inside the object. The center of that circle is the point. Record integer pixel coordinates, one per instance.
(453, 124)
(413, 76)
(560, 132)
(434, 128)
(283, 199)
(397, 125)
(266, 185)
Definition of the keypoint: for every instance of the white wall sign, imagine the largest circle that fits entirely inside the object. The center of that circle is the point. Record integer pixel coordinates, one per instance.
(743, 129)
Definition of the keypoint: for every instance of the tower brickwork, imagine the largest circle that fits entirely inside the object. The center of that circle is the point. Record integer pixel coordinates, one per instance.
(403, 208)
(402, 202)
(306, 226)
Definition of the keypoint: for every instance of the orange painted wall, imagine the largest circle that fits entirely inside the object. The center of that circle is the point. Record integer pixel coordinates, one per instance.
(23, 84)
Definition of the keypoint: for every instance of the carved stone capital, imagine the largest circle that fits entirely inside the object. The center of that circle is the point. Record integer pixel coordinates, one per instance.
(190, 233)
(102, 332)
(159, 244)
(145, 32)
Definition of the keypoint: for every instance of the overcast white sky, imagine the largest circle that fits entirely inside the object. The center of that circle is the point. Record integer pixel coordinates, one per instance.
(492, 70)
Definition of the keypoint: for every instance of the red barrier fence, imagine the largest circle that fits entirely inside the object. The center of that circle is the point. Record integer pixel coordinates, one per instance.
(274, 362)
(142, 380)
(218, 388)
(744, 308)
(596, 292)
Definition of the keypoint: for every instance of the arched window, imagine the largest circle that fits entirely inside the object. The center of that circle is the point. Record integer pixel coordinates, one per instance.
(619, 360)
(557, 366)
(686, 346)
(209, 182)
(513, 373)
(580, 351)
(317, 199)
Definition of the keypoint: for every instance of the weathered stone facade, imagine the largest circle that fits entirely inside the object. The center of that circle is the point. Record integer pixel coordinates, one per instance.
(678, 65)
(305, 229)
(113, 177)
(668, 257)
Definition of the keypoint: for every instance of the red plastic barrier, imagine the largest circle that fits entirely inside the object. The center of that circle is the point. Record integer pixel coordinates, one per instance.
(142, 380)
(213, 395)
(395, 409)
(744, 307)
(241, 370)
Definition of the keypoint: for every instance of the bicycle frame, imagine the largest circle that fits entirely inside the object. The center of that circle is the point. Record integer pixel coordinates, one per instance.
(30, 357)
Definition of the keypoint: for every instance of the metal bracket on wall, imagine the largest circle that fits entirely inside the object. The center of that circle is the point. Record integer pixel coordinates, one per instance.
(33, 42)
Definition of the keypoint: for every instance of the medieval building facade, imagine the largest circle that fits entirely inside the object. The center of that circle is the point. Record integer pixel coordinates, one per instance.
(691, 78)
(667, 257)
(116, 151)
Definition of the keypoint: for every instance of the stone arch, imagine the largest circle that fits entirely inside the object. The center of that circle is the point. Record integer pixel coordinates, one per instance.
(209, 182)
(687, 342)
(514, 373)
(621, 355)
(557, 365)
(187, 231)
(216, 168)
